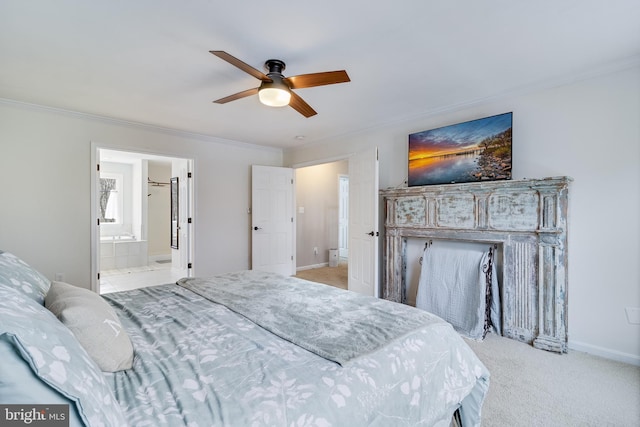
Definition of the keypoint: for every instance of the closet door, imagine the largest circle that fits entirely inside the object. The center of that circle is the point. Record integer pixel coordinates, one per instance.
(272, 222)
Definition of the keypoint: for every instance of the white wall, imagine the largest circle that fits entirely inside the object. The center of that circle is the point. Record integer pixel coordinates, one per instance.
(317, 193)
(589, 130)
(45, 168)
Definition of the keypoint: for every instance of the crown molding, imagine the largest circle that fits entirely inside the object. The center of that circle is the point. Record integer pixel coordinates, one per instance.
(136, 125)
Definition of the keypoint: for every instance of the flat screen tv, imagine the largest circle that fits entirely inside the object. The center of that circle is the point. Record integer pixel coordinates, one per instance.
(477, 150)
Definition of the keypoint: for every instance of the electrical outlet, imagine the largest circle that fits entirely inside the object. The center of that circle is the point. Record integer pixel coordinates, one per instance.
(633, 315)
(315, 250)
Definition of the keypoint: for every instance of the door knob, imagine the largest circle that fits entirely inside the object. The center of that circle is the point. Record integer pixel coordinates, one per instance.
(371, 234)
(257, 228)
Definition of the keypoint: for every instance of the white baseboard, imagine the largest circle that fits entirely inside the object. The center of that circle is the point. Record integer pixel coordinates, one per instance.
(606, 353)
(310, 267)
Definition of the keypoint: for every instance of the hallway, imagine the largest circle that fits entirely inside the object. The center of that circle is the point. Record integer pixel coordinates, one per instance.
(334, 276)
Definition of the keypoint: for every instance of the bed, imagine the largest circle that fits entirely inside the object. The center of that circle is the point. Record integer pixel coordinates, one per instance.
(246, 348)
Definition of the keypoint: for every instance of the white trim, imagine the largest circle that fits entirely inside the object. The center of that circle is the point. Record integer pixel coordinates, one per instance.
(139, 125)
(606, 353)
(95, 236)
(311, 267)
(608, 68)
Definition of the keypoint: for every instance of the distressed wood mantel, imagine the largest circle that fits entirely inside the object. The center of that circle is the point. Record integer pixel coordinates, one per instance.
(526, 218)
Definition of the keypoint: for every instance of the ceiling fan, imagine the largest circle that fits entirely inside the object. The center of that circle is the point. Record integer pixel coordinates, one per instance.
(275, 90)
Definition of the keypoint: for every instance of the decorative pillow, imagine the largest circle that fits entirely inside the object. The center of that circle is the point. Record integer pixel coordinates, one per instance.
(56, 358)
(94, 323)
(16, 273)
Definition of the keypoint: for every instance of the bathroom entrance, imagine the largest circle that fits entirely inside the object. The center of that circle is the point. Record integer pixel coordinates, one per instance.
(143, 208)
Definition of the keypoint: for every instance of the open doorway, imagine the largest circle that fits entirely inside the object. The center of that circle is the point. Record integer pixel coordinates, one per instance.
(322, 234)
(137, 199)
(343, 216)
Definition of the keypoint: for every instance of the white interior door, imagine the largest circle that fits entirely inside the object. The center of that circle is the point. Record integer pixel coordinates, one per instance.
(272, 245)
(363, 222)
(343, 216)
(181, 257)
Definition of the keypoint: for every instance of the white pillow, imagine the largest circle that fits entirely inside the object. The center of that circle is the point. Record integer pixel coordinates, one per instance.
(94, 323)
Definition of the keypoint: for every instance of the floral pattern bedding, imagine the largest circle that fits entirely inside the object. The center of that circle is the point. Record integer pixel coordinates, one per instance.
(198, 363)
(337, 325)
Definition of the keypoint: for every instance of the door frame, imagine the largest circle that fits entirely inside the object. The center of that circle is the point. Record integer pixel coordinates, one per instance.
(300, 166)
(316, 162)
(95, 236)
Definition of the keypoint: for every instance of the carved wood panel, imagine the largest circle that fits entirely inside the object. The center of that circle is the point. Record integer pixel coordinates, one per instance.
(527, 218)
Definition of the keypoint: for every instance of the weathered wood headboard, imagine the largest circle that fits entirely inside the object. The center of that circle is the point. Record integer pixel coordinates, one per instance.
(526, 218)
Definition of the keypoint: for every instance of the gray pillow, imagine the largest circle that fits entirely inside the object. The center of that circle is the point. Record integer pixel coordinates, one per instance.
(94, 323)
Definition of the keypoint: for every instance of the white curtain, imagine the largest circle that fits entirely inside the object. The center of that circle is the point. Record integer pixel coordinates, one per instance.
(111, 211)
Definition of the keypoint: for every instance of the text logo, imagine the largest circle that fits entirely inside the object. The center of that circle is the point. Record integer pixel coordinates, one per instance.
(34, 415)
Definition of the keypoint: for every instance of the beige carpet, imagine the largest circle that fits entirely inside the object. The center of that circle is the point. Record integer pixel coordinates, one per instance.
(334, 276)
(531, 387)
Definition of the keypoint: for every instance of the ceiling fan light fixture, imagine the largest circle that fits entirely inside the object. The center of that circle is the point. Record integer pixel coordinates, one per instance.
(274, 95)
(277, 91)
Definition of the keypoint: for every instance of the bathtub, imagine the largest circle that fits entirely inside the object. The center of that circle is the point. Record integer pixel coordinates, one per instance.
(125, 237)
(119, 252)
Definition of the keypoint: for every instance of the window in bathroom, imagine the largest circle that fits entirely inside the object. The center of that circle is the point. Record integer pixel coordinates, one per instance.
(111, 198)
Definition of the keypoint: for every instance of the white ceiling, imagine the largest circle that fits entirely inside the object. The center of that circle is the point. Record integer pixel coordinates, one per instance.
(148, 61)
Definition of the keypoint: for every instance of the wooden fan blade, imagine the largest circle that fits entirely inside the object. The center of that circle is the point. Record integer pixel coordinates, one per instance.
(301, 106)
(242, 65)
(317, 79)
(238, 95)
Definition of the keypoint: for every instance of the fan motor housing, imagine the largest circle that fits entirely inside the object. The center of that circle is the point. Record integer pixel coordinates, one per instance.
(274, 66)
